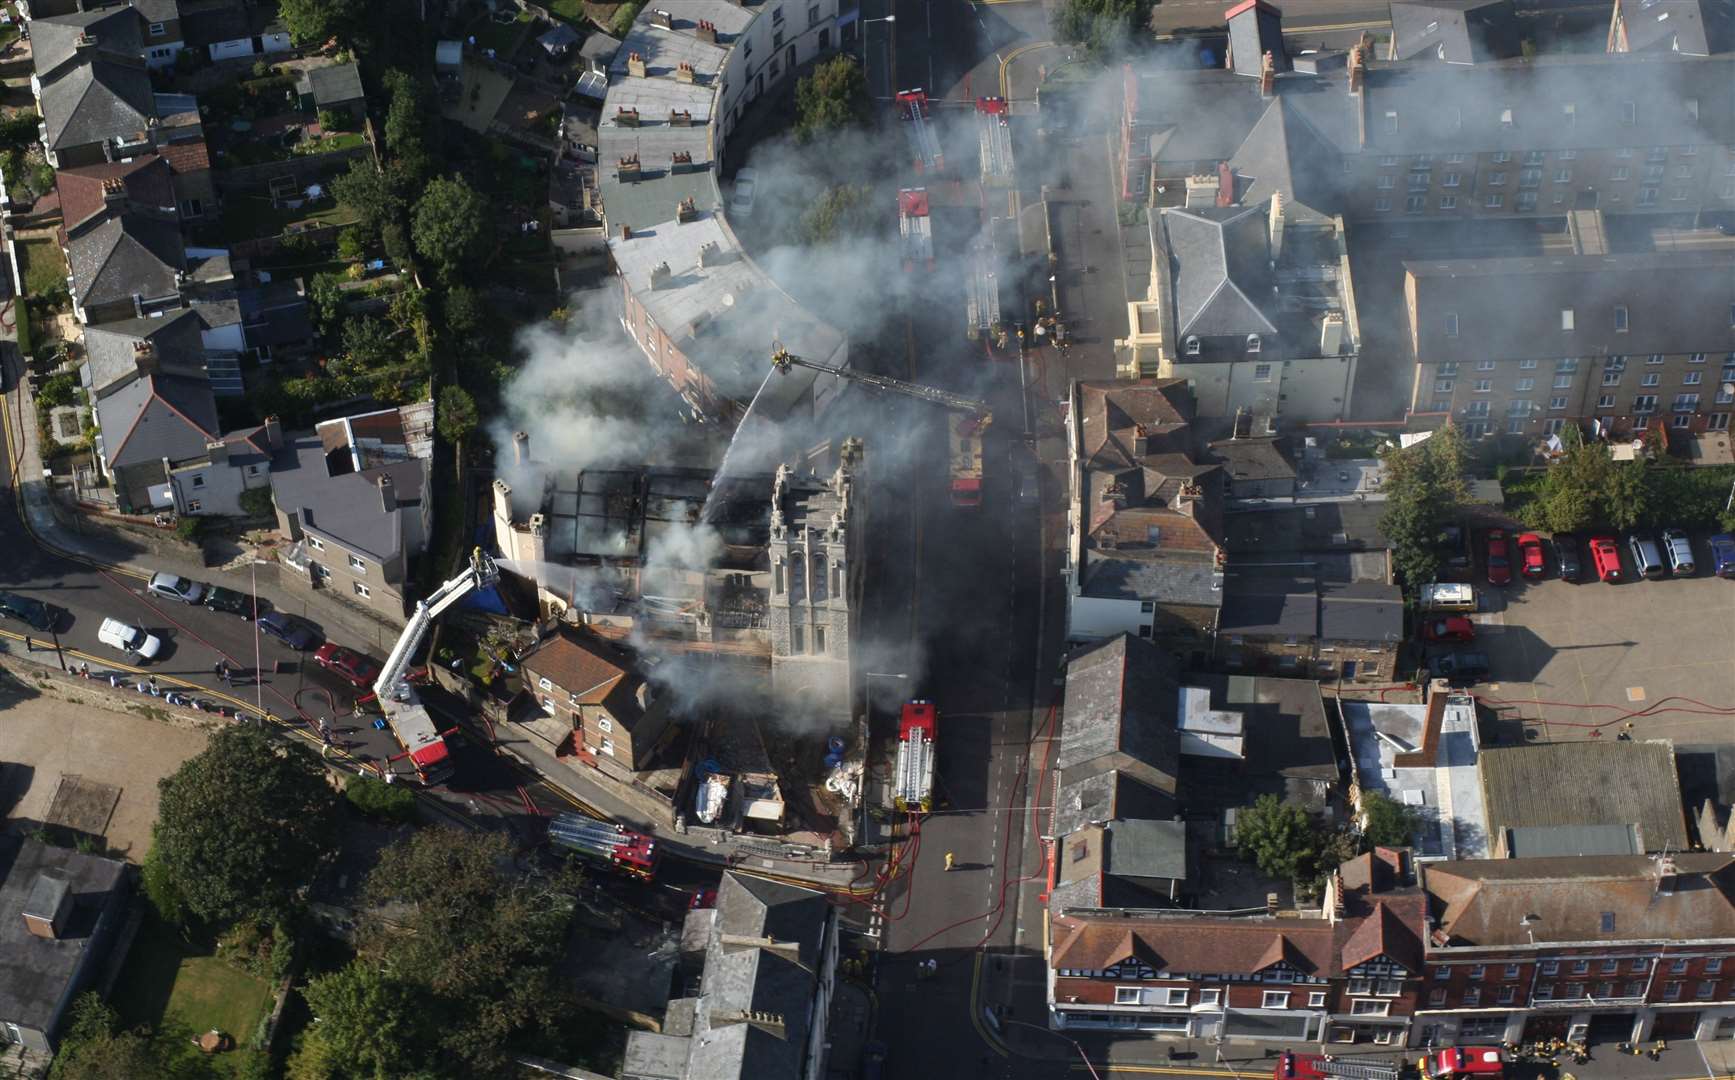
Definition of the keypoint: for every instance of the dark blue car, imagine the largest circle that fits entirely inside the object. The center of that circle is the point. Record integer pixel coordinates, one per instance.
(288, 629)
(1723, 555)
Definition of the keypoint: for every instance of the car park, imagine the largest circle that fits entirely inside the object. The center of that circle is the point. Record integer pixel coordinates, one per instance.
(28, 610)
(288, 629)
(230, 602)
(1606, 557)
(1533, 561)
(1499, 558)
(132, 640)
(1460, 667)
(174, 587)
(347, 664)
(1723, 555)
(1455, 546)
(1647, 557)
(1566, 553)
(1679, 551)
(741, 198)
(1448, 628)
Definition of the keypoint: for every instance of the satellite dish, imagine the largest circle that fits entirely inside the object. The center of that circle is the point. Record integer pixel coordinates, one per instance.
(1729, 388)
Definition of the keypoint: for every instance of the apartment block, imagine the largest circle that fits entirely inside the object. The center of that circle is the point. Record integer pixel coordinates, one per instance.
(1523, 346)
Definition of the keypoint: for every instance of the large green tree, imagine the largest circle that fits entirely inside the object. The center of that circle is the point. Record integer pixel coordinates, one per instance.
(242, 826)
(833, 98)
(842, 213)
(312, 22)
(1279, 838)
(450, 227)
(464, 967)
(370, 195)
(1574, 493)
(1102, 26)
(1387, 822)
(94, 1046)
(455, 414)
(1425, 485)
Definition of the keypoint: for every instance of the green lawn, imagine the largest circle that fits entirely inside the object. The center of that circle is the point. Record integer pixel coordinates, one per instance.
(248, 216)
(501, 37)
(570, 10)
(180, 990)
(44, 267)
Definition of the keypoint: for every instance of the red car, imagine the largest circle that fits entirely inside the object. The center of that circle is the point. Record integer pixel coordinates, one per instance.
(1533, 563)
(1607, 558)
(352, 667)
(1449, 628)
(1499, 558)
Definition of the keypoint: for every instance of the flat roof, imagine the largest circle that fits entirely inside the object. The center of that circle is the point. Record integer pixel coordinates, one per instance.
(1447, 794)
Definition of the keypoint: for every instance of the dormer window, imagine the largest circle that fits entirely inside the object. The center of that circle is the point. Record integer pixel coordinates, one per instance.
(1252, 342)
(1192, 346)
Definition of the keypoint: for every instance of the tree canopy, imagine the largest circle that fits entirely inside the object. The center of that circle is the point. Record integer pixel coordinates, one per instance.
(1387, 822)
(455, 414)
(450, 225)
(1278, 837)
(312, 22)
(842, 213)
(371, 195)
(463, 969)
(1425, 486)
(242, 825)
(1104, 27)
(833, 98)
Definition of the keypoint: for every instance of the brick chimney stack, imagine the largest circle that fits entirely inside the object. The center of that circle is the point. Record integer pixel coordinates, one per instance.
(388, 495)
(1268, 75)
(684, 72)
(636, 65)
(114, 191)
(1357, 69)
(706, 31)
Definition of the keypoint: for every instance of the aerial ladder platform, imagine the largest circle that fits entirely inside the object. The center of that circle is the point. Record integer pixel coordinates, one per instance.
(913, 110)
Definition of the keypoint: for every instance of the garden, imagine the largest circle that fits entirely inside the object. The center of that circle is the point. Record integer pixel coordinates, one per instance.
(261, 120)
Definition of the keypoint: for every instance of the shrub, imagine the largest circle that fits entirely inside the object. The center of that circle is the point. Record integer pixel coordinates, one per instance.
(60, 390)
(189, 528)
(376, 798)
(258, 948)
(256, 502)
(160, 889)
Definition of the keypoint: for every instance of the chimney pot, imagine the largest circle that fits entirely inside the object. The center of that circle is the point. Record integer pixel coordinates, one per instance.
(709, 253)
(660, 275)
(273, 433)
(1268, 75)
(521, 448)
(635, 65)
(687, 209)
(626, 231)
(388, 494)
(706, 31)
(1357, 69)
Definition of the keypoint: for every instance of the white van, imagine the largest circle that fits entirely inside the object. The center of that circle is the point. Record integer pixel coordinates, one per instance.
(129, 639)
(1448, 596)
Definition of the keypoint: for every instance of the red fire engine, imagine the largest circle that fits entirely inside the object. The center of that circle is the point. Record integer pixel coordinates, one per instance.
(1464, 1062)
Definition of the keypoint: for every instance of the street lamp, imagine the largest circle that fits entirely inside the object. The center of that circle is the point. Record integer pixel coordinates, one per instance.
(865, 23)
(868, 677)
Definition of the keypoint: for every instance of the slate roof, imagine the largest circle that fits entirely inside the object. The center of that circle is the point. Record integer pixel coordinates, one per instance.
(1687, 27)
(1270, 607)
(1454, 31)
(599, 49)
(346, 508)
(1120, 864)
(129, 254)
(561, 37)
(274, 314)
(1111, 414)
(35, 972)
(155, 11)
(1220, 260)
(1120, 713)
(741, 978)
(1098, 797)
(54, 40)
(1285, 153)
(1284, 724)
(1483, 902)
(1611, 783)
(111, 349)
(1676, 301)
(96, 101)
(147, 179)
(1253, 459)
(1256, 28)
(335, 84)
(155, 417)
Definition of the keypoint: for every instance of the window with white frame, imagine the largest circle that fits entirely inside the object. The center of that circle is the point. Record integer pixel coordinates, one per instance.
(1253, 343)
(315, 543)
(1507, 994)
(1643, 404)
(1552, 967)
(1692, 378)
(603, 723)
(1261, 372)
(1651, 379)
(1175, 995)
(1706, 990)
(1672, 990)
(1370, 1008)
(1316, 999)
(1192, 346)
(1527, 364)
(357, 565)
(1472, 996)
(1448, 202)
(1580, 967)
(1484, 386)
(1525, 384)
(1556, 403)
(361, 590)
(1274, 999)
(1437, 996)
(544, 683)
(1713, 965)
(1485, 365)
(1381, 205)
(607, 746)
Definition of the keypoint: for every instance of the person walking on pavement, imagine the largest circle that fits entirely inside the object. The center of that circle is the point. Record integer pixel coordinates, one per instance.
(950, 860)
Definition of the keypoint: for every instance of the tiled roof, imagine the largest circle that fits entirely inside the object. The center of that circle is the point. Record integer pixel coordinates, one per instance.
(1492, 902)
(54, 40)
(1119, 712)
(156, 417)
(1240, 946)
(1384, 933)
(146, 179)
(1688, 27)
(1112, 413)
(593, 670)
(1455, 31)
(97, 100)
(186, 155)
(1221, 262)
(130, 254)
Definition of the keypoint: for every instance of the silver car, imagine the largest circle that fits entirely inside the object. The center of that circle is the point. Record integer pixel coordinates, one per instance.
(1679, 551)
(171, 587)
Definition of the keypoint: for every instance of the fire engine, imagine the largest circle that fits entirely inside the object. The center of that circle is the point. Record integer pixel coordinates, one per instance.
(913, 780)
(914, 230)
(1325, 1067)
(614, 846)
(913, 110)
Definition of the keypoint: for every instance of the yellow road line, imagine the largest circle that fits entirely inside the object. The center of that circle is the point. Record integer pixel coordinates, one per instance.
(994, 1043)
(1013, 55)
(1159, 1070)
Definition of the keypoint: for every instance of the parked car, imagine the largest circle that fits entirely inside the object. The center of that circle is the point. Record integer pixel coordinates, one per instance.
(1499, 558)
(1647, 558)
(1723, 555)
(1533, 560)
(171, 587)
(741, 198)
(132, 640)
(1449, 628)
(1460, 667)
(28, 610)
(347, 664)
(229, 602)
(1679, 551)
(1606, 557)
(1566, 551)
(287, 629)
(1448, 596)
